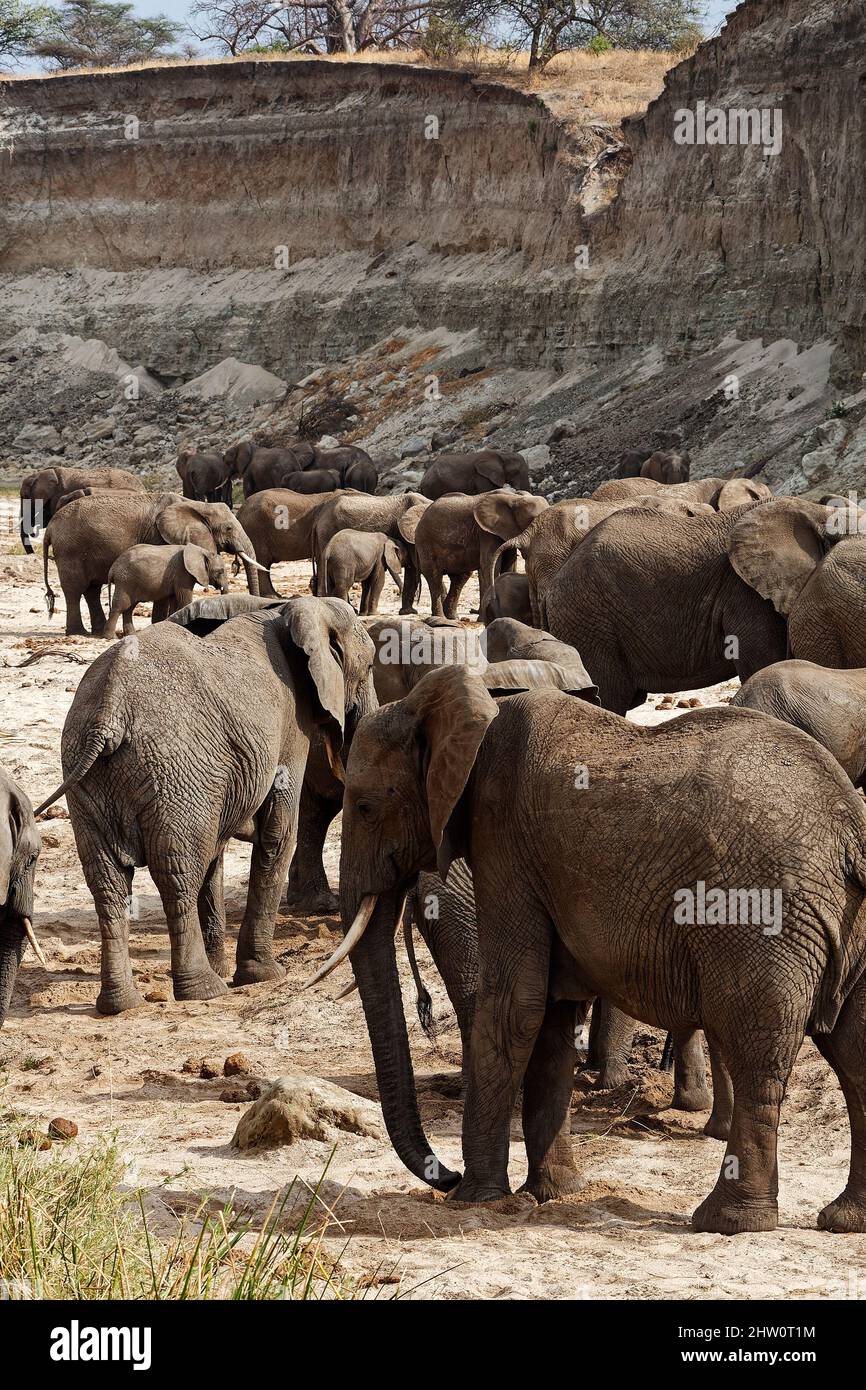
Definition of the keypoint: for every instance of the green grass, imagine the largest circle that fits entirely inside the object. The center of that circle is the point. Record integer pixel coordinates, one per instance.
(68, 1230)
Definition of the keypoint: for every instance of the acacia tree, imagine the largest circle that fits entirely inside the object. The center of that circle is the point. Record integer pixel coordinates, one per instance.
(99, 33)
(21, 26)
(316, 26)
(549, 27)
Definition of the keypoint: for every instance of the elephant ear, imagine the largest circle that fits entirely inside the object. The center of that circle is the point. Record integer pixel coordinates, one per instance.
(393, 561)
(195, 563)
(739, 492)
(776, 546)
(407, 524)
(453, 711)
(509, 677)
(492, 469)
(506, 514)
(205, 615)
(179, 523)
(316, 658)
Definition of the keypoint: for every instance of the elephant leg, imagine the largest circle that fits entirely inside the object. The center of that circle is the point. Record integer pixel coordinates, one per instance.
(266, 584)
(111, 887)
(277, 825)
(455, 589)
(845, 1050)
(371, 590)
(128, 624)
(509, 1013)
(690, 1072)
(179, 881)
(435, 585)
(212, 916)
(74, 622)
(159, 610)
(610, 1035)
(718, 1126)
(547, 1088)
(308, 890)
(411, 587)
(93, 599)
(119, 604)
(745, 1195)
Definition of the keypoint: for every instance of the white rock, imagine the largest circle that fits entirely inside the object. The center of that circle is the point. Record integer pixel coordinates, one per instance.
(241, 382)
(305, 1107)
(537, 459)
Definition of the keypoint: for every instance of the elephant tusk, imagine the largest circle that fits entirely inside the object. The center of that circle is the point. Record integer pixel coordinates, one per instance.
(31, 937)
(250, 561)
(344, 994)
(350, 940)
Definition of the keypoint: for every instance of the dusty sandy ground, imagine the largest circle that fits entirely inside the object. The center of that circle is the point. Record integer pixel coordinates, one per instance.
(625, 1235)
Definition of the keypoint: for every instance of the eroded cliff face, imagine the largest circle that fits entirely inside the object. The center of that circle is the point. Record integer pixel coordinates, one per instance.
(293, 213)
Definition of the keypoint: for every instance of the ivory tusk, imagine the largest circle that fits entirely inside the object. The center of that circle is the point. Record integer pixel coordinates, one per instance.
(31, 937)
(350, 940)
(255, 564)
(344, 994)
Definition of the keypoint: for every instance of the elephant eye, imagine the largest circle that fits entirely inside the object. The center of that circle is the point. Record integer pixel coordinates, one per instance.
(364, 809)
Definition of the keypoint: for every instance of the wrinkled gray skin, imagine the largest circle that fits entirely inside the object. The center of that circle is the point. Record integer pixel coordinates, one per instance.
(164, 575)
(280, 525)
(473, 473)
(559, 921)
(828, 704)
(508, 597)
(206, 477)
(666, 467)
(722, 494)
(358, 512)
(19, 849)
(88, 535)
(41, 491)
(146, 789)
(354, 465)
(457, 535)
(653, 602)
(361, 557)
(313, 480)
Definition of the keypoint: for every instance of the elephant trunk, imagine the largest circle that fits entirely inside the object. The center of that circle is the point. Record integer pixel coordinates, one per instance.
(14, 920)
(243, 547)
(25, 525)
(374, 962)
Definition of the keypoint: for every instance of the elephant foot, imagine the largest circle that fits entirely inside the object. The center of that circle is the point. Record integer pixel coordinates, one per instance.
(474, 1192)
(405, 612)
(117, 999)
(256, 972)
(217, 962)
(717, 1127)
(610, 1079)
(205, 985)
(559, 1180)
(693, 1098)
(727, 1218)
(846, 1215)
(308, 903)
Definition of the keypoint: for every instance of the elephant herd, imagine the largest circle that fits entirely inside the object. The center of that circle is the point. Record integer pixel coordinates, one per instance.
(707, 874)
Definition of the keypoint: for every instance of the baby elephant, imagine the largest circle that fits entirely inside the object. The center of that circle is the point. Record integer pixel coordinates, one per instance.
(360, 557)
(163, 574)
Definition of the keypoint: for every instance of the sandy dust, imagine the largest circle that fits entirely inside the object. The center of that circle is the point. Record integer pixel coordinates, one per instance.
(625, 1235)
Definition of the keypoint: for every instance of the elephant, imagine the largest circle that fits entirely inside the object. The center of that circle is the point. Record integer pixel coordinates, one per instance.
(91, 533)
(547, 542)
(358, 512)
(313, 480)
(483, 471)
(631, 462)
(718, 798)
(457, 535)
(280, 525)
(20, 844)
(148, 784)
(42, 490)
(507, 639)
(206, 477)
(507, 597)
(667, 467)
(722, 494)
(262, 468)
(655, 603)
(361, 557)
(164, 575)
(828, 704)
(363, 477)
(354, 465)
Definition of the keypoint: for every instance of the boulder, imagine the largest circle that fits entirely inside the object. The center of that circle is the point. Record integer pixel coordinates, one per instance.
(37, 438)
(305, 1107)
(537, 460)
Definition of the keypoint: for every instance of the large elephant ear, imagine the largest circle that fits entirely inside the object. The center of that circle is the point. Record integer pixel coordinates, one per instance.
(506, 514)
(316, 659)
(776, 547)
(739, 492)
(179, 523)
(407, 524)
(204, 615)
(522, 673)
(195, 563)
(453, 710)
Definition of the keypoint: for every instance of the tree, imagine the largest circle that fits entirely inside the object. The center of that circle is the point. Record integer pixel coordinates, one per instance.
(549, 27)
(21, 26)
(99, 33)
(312, 26)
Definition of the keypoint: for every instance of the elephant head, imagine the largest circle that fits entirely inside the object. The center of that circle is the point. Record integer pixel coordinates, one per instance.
(19, 849)
(238, 457)
(666, 467)
(39, 492)
(507, 514)
(212, 525)
(739, 492)
(809, 561)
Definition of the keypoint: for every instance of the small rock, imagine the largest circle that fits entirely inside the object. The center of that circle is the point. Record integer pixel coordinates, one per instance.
(537, 460)
(94, 1072)
(37, 437)
(62, 1129)
(305, 1107)
(237, 1065)
(193, 1065)
(413, 446)
(99, 429)
(55, 813)
(156, 996)
(209, 1071)
(255, 1089)
(31, 1138)
(562, 429)
(232, 1095)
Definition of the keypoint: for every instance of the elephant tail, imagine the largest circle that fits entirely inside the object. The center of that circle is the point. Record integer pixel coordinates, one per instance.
(505, 556)
(49, 592)
(99, 740)
(423, 1002)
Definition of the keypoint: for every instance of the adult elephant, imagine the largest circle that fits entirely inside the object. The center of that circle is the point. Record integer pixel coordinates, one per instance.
(280, 525)
(559, 922)
(354, 465)
(88, 535)
(19, 849)
(149, 783)
(358, 512)
(41, 491)
(655, 603)
(206, 477)
(482, 471)
(260, 468)
(460, 534)
(722, 494)
(666, 467)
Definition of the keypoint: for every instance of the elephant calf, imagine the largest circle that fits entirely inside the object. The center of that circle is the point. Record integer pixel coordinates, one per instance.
(164, 575)
(360, 557)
